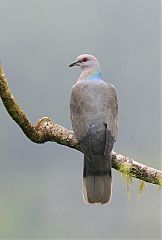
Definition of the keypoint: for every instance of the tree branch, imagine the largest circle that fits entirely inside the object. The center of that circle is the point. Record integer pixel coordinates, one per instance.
(46, 130)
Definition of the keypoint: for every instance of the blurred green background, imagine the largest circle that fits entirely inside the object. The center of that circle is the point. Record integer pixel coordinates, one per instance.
(41, 185)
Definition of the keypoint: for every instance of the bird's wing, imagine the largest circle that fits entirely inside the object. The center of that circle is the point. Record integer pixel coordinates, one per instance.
(111, 109)
(75, 108)
(79, 109)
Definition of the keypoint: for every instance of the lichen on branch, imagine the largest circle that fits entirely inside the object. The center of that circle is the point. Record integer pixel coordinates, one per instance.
(47, 130)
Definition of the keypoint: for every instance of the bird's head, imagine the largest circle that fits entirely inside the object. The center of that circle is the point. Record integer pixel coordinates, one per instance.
(85, 61)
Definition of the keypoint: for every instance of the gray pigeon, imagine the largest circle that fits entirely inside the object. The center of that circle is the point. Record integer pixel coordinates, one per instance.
(94, 109)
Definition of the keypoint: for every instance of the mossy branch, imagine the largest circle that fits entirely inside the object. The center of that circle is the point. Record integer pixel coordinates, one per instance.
(46, 130)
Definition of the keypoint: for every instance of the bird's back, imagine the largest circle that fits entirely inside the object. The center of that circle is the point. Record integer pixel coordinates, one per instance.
(93, 100)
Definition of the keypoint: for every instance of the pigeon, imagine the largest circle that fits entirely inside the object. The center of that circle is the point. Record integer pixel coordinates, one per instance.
(93, 113)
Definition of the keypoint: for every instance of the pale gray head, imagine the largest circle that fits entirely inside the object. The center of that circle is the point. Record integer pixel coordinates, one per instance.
(86, 61)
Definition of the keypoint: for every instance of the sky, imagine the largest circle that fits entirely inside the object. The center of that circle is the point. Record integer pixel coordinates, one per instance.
(41, 185)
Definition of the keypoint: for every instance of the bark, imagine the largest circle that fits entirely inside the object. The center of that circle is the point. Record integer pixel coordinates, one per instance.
(47, 130)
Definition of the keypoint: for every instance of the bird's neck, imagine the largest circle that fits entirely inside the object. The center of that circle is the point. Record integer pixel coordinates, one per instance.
(90, 74)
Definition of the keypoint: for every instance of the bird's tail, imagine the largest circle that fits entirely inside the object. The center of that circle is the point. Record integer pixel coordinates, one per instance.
(97, 179)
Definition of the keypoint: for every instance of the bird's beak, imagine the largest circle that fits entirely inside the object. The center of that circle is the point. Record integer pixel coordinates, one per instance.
(74, 64)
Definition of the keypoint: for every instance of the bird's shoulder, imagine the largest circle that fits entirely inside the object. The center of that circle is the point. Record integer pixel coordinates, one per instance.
(99, 83)
(82, 88)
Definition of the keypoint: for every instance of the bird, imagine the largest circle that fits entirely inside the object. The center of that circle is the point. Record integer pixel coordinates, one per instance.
(94, 118)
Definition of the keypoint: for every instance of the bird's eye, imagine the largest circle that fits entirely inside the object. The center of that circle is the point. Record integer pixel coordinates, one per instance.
(85, 59)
